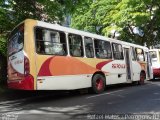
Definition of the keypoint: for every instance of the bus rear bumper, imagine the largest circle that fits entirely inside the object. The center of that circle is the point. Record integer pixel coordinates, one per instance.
(25, 84)
(156, 72)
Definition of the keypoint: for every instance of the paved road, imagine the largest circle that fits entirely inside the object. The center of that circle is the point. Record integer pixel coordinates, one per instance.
(117, 100)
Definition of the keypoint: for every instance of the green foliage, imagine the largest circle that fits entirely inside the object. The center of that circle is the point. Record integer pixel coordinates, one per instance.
(45, 10)
(3, 45)
(82, 15)
(12, 12)
(122, 16)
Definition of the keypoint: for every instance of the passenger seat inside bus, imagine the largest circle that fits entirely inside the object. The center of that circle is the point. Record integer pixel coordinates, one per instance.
(77, 51)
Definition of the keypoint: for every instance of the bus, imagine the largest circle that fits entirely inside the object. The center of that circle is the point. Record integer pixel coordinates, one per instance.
(155, 60)
(44, 56)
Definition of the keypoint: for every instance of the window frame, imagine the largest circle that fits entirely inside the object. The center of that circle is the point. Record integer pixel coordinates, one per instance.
(81, 47)
(122, 52)
(108, 42)
(19, 29)
(134, 56)
(64, 44)
(86, 47)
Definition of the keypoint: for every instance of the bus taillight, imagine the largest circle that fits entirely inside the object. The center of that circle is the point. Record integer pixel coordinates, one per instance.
(26, 66)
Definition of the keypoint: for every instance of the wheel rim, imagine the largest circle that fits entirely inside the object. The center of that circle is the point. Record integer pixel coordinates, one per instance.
(99, 84)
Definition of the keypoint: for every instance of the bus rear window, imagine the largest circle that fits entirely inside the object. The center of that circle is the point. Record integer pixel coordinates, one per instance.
(153, 54)
(16, 40)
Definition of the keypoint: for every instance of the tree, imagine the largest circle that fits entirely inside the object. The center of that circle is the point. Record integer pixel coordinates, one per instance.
(84, 18)
(12, 12)
(45, 10)
(137, 21)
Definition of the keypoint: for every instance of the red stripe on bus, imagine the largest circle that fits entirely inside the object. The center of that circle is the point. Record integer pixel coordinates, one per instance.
(61, 65)
(101, 64)
(27, 83)
(44, 70)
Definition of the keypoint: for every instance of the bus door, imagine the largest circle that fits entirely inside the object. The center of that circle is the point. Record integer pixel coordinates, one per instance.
(149, 70)
(128, 64)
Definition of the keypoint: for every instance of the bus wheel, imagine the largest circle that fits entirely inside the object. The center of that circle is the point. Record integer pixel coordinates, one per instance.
(154, 78)
(142, 78)
(98, 83)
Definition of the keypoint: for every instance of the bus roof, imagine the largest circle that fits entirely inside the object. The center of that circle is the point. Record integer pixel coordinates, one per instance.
(82, 33)
(155, 49)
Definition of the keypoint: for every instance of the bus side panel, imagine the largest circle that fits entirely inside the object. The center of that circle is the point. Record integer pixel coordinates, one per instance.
(66, 82)
(64, 72)
(117, 72)
(29, 48)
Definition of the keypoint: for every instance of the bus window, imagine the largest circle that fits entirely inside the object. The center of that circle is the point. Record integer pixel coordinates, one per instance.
(16, 40)
(133, 54)
(153, 56)
(89, 47)
(140, 54)
(102, 49)
(75, 45)
(117, 51)
(50, 42)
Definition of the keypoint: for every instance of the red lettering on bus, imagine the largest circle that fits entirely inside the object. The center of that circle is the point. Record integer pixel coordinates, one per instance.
(119, 66)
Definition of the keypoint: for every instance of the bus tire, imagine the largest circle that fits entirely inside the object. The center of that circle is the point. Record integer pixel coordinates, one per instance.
(98, 83)
(154, 78)
(142, 78)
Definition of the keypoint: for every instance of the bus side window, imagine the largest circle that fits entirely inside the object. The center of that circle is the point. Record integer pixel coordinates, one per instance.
(58, 43)
(133, 54)
(50, 42)
(63, 42)
(89, 47)
(75, 45)
(39, 41)
(102, 49)
(117, 51)
(40, 47)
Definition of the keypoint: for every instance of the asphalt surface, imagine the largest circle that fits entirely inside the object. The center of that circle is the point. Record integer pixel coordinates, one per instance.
(116, 102)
